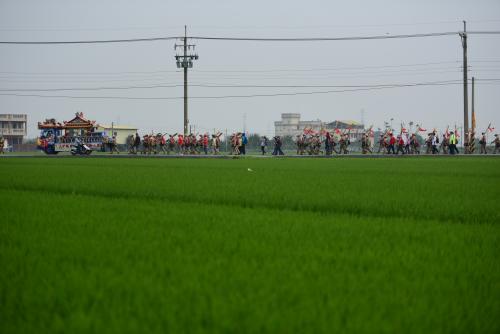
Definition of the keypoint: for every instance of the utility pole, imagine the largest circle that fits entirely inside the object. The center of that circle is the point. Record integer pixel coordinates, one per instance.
(466, 97)
(185, 61)
(472, 108)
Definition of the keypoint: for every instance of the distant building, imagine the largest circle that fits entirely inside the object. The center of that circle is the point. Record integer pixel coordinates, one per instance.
(355, 129)
(291, 125)
(121, 132)
(13, 127)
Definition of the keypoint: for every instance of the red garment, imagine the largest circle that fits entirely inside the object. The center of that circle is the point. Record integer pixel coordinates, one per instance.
(205, 141)
(392, 141)
(180, 140)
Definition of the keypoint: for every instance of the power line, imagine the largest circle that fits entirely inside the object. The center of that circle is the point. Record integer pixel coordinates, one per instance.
(231, 77)
(103, 74)
(241, 96)
(236, 76)
(131, 40)
(352, 38)
(321, 39)
(208, 85)
(249, 74)
(255, 39)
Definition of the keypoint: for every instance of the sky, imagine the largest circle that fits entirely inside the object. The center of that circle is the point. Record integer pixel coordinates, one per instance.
(232, 64)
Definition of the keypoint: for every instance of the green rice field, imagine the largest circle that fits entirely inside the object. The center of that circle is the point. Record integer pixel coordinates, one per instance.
(250, 245)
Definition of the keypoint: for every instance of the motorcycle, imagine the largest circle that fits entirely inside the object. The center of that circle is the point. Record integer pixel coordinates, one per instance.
(79, 148)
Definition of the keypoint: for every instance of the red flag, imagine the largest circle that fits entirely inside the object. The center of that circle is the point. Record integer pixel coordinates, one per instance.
(309, 131)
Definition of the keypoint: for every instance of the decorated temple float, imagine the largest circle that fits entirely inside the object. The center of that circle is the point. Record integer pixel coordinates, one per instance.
(58, 137)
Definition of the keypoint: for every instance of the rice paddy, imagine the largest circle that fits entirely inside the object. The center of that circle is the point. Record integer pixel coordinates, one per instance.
(249, 245)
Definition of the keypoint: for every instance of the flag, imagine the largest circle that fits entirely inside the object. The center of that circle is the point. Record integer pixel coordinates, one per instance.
(473, 120)
(309, 131)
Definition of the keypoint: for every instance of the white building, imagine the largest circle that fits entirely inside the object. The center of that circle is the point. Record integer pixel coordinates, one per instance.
(13, 127)
(291, 125)
(121, 132)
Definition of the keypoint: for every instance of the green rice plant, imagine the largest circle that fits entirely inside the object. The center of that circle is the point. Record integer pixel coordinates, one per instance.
(294, 245)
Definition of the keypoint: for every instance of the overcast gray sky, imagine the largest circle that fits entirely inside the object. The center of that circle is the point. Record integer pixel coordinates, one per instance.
(248, 63)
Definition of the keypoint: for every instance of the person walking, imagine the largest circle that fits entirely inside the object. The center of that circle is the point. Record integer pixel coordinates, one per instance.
(407, 143)
(392, 142)
(428, 143)
(482, 142)
(381, 144)
(2, 143)
(114, 146)
(205, 143)
(453, 143)
(137, 143)
(434, 143)
(445, 144)
(401, 145)
(497, 144)
(277, 146)
(263, 144)
(244, 142)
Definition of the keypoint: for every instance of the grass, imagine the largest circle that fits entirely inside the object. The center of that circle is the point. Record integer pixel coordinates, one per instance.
(297, 245)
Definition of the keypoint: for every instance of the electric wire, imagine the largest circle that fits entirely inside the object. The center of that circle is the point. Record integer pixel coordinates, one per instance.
(254, 39)
(239, 96)
(122, 73)
(208, 85)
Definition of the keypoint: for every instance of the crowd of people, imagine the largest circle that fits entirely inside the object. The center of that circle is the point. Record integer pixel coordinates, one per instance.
(174, 143)
(306, 144)
(312, 143)
(390, 143)
(309, 143)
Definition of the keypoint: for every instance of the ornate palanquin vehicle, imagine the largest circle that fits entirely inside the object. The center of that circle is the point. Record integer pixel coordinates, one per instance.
(56, 137)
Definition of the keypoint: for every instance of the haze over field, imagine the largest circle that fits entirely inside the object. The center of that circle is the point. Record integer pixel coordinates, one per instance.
(230, 63)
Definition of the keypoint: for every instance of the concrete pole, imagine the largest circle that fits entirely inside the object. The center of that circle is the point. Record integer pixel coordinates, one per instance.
(184, 62)
(465, 78)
